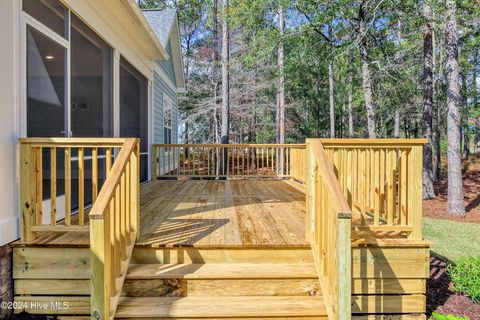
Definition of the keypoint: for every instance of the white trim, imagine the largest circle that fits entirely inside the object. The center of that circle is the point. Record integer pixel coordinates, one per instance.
(116, 93)
(178, 58)
(9, 230)
(23, 75)
(46, 30)
(26, 21)
(68, 82)
(151, 127)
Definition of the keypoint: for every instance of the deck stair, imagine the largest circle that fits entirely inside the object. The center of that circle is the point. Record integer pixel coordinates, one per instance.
(221, 290)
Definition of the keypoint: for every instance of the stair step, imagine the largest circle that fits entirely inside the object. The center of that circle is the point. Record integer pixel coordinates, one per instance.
(220, 287)
(220, 307)
(222, 271)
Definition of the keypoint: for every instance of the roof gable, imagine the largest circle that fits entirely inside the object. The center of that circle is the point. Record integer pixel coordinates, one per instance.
(162, 22)
(165, 26)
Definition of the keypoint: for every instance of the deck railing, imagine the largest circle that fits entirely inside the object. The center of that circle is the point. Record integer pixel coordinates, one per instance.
(328, 225)
(382, 179)
(228, 161)
(114, 228)
(114, 217)
(54, 173)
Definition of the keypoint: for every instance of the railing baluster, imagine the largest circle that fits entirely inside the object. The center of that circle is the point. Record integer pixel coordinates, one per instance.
(111, 242)
(403, 188)
(273, 160)
(122, 217)
(390, 191)
(127, 204)
(154, 163)
(68, 187)
(108, 160)
(94, 174)
(39, 182)
(376, 187)
(53, 186)
(81, 187)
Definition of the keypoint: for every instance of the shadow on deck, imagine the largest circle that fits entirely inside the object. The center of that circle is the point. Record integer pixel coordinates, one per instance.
(211, 213)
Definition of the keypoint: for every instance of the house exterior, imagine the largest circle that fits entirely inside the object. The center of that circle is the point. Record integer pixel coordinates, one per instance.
(84, 68)
(326, 229)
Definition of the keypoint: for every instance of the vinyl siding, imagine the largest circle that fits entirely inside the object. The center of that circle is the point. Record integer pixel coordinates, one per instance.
(167, 65)
(161, 88)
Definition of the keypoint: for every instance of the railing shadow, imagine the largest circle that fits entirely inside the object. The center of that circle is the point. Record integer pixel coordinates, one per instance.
(374, 265)
(438, 291)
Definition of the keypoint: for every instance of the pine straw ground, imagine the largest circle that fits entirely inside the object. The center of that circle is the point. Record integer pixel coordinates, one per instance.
(453, 236)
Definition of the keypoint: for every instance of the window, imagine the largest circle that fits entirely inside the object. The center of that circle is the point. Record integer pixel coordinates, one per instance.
(91, 77)
(46, 85)
(68, 78)
(167, 120)
(50, 13)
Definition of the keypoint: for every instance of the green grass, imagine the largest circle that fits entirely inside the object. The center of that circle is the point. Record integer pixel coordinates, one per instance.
(452, 239)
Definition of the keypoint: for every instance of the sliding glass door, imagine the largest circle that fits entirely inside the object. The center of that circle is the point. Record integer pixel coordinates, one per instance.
(134, 111)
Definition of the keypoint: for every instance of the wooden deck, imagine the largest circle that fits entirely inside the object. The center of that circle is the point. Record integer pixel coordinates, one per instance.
(211, 213)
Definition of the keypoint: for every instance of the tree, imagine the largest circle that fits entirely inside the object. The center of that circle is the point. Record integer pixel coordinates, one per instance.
(225, 75)
(455, 187)
(367, 81)
(281, 80)
(428, 191)
(350, 99)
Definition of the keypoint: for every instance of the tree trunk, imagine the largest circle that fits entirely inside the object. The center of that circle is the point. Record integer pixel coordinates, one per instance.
(455, 187)
(331, 99)
(216, 64)
(475, 76)
(475, 95)
(438, 118)
(350, 100)
(396, 124)
(281, 80)
(367, 81)
(225, 83)
(428, 191)
(464, 129)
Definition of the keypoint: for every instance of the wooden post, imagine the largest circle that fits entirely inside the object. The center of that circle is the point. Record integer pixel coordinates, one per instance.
(28, 191)
(135, 191)
(99, 260)
(310, 189)
(154, 163)
(415, 192)
(344, 271)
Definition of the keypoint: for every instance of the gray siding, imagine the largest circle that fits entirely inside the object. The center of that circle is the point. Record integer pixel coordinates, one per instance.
(160, 88)
(167, 65)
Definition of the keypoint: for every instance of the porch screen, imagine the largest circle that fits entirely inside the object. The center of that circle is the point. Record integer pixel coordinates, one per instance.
(134, 110)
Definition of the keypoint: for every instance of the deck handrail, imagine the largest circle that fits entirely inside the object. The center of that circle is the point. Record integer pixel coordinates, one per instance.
(114, 228)
(328, 227)
(228, 161)
(50, 160)
(382, 180)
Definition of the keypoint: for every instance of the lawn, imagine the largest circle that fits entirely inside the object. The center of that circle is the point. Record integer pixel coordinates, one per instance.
(452, 239)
